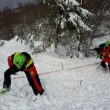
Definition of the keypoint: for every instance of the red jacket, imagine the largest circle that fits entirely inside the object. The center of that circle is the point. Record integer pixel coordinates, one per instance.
(106, 54)
(10, 60)
(32, 70)
(106, 51)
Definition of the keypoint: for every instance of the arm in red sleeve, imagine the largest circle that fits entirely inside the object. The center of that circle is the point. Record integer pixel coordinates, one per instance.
(10, 60)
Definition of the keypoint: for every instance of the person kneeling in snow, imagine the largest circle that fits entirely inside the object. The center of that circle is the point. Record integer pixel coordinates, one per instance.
(102, 48)
(22, 61)
(105, 57)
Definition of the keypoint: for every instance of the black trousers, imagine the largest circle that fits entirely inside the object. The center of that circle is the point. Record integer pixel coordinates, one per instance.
(7, 76)
(104, 65)
(32, 84)
(12, 71)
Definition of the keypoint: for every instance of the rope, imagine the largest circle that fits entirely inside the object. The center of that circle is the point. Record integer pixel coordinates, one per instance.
(46, 73)
(77, 67)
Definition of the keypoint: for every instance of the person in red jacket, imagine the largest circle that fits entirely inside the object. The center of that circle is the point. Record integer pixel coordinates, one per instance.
(105, 57)
(22, 61)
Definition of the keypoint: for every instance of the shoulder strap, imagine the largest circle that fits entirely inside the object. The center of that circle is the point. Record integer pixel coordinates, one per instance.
(28, 57)
(29, 63)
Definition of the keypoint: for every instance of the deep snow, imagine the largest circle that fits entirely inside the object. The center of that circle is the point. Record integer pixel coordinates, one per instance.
(80, 84)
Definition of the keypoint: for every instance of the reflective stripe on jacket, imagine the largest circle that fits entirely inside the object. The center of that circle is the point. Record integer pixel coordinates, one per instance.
(11, 59)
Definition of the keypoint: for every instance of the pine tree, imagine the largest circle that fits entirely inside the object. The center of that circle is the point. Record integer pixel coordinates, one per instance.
(71, 16)
(69, 20)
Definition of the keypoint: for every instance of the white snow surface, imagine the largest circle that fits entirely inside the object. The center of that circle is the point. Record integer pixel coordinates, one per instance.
(80, 84)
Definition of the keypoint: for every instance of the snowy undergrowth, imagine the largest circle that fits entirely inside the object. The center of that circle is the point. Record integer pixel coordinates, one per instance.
(83, 88)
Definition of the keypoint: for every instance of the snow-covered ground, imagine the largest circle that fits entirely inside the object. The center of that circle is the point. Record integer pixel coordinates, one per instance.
(79, 84)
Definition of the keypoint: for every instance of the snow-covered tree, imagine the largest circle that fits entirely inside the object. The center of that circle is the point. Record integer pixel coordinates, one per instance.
(71, 17)
(70, 21)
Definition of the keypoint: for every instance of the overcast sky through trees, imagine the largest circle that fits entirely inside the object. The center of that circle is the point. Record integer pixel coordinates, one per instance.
(14, 3)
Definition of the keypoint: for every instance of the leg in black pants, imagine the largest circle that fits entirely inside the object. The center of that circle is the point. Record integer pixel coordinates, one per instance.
(7, 78)
(38, 80)
(29, 78)
(109, 66)
(103, 65)
(31, 82)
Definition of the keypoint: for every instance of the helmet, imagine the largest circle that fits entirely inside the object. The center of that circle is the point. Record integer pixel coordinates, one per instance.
(19, 60)
(107, 43)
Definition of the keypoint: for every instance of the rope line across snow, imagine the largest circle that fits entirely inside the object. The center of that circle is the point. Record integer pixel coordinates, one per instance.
(77, 67)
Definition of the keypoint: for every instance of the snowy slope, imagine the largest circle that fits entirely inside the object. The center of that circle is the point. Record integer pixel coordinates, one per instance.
(78, 85)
